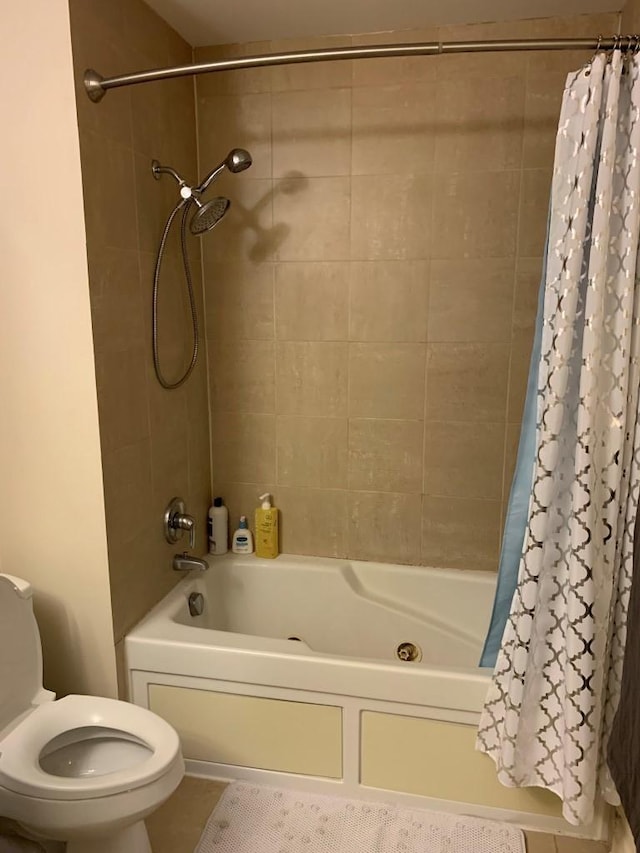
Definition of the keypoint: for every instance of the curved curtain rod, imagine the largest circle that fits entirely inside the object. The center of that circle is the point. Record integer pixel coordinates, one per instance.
(96, 85)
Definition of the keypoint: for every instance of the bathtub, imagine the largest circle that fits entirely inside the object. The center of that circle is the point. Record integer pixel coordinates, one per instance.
(336, 676)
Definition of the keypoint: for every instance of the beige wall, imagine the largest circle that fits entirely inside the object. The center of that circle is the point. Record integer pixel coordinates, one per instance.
(155, 443)
(371, 296)
(52, 523)
(630, 16)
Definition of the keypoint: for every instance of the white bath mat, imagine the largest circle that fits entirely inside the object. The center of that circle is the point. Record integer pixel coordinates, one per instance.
(256, 819)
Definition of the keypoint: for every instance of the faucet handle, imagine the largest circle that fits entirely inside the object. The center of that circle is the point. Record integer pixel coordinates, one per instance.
(176, 520)
(181, 521)
(187, 522)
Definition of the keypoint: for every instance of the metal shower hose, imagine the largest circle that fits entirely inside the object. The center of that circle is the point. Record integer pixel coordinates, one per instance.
(184, 204)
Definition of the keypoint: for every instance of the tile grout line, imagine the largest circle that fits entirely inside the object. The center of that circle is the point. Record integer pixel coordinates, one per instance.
(348, 521)
(203, 325)
(276, 360)
(153, 472)
(425, 385)
(429, 267)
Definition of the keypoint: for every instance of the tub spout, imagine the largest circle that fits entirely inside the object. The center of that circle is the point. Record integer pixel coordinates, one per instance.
(187, 563)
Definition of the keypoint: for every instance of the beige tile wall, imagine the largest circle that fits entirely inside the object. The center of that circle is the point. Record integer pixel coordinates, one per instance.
(371, 295)
(155, 443)
(631, 16)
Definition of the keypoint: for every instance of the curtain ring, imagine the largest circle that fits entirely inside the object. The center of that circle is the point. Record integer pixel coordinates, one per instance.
(617, 38)
(587, 66)
(633, 52)
(630, 52)
(609, 52)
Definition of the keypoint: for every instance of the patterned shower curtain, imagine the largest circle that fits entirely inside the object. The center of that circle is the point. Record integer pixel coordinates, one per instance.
(556, 682)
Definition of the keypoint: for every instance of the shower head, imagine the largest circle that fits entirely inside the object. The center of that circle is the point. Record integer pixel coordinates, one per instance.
(208, 215)
(237, 160)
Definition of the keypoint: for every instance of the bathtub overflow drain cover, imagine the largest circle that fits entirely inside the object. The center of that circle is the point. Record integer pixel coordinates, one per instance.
(196, 604)
(409, 652)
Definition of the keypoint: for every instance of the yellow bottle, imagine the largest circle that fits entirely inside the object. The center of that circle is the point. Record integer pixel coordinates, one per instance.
(266, 529)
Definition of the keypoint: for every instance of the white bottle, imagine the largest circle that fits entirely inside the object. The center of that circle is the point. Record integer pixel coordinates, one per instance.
(218, 526)
(242, 538)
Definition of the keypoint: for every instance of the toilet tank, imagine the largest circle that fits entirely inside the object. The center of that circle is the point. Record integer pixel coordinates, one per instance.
(20, 651)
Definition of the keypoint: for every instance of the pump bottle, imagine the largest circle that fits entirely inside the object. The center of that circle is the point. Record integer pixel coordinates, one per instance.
(266, 529)
(242, 539)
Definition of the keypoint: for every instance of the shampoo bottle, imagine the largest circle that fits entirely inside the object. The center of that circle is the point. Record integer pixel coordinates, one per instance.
(242, 538)
(266, 529)
(218, 528)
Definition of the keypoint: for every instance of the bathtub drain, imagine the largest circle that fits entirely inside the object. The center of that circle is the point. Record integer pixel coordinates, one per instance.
(409, 652)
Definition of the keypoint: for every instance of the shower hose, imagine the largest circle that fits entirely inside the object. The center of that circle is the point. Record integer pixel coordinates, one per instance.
(184, 205)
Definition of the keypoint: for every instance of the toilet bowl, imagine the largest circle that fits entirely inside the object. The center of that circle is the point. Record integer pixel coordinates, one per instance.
(83, 769)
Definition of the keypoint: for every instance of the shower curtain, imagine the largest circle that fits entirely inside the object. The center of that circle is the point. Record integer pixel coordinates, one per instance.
(556, 681)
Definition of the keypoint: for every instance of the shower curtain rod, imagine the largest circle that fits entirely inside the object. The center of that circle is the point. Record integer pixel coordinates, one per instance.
(96, 85)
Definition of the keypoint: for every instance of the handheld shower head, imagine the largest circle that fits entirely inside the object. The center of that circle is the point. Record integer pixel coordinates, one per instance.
(208, 215)
(237, 160)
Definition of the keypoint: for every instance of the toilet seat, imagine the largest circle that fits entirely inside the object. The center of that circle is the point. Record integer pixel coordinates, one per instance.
(21, 748)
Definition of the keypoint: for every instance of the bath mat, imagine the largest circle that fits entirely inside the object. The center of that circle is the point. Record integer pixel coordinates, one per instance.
(256, 819)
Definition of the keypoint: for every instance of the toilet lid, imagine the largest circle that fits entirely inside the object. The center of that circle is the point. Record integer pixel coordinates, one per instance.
(26, 745)
(20, 651)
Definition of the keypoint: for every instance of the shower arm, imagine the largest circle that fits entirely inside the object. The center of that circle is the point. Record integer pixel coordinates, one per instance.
(186, 192)
(158, 170)
(96, 85)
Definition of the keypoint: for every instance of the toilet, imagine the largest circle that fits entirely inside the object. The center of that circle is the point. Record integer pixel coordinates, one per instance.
(83, 769)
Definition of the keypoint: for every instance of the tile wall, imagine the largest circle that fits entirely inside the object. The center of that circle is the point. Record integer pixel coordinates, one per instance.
(631, 17)
(371, 295)
(369, 298)
(155, 443)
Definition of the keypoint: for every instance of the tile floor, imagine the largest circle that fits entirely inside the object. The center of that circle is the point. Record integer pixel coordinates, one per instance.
(176, 826)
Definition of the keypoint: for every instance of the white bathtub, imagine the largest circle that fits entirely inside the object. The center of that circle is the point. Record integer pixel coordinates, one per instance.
(334, 710)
